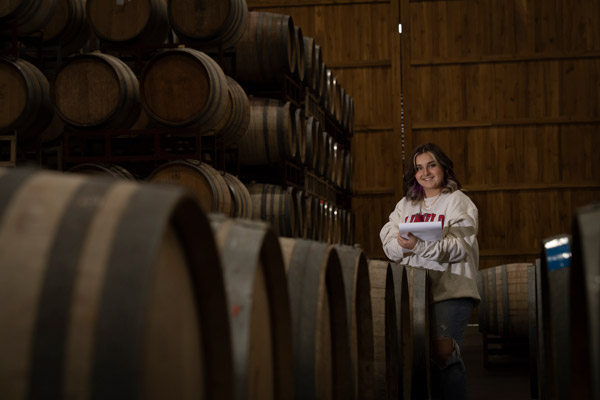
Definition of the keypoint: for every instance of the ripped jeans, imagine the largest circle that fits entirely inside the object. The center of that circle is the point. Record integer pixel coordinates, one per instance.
(449, 319)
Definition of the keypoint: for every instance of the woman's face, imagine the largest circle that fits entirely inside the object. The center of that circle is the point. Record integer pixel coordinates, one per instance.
(429, 174)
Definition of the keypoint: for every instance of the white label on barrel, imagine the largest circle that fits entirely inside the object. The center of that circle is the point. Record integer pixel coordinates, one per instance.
(120, 2)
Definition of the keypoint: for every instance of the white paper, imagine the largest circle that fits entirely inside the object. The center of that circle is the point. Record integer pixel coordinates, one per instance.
(426, 231)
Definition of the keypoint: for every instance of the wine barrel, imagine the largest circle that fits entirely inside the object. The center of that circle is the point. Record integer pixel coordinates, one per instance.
(206, 183)
(313, 144)
(504, 306)
(585, 303)
(259, 312)
(299, 128)
(104, 169)
(556, 299)
(270, 137)
(299, 72)
(96, 90)
(391, 327)
(110, 289)
(25, 104)
(357, 286)
(418, 353)
(27, 15)
(323, 143)
(348, 171)
(241, 206)
(532, 305)
(67, 27)
(299, 198)
(276, 205)
(184, 87)
(312, 217)
(322, 362)
(325, 231)
(310, 61)
(129, 22)
(235, 123)
(318, 72)
(329, 170)
(208, 24)
(266, 51)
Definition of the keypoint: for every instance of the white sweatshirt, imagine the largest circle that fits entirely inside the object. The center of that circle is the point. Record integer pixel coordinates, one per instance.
(452, 262)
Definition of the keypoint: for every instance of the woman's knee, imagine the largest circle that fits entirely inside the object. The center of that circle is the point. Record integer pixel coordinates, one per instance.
(443, 349)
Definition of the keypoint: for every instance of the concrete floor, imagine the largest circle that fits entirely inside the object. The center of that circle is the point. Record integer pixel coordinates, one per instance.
(506, 377)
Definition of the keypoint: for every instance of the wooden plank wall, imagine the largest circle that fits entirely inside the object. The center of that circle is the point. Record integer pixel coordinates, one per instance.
(509, 88)
(360, 43)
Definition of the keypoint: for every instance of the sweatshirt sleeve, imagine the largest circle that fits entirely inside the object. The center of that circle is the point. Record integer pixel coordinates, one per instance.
(389, 234)
(460, 236)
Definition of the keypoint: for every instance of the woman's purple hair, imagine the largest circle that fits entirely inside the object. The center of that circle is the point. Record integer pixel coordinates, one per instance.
(412, 189)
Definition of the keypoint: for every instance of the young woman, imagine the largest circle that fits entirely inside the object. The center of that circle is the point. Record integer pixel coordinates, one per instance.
(433, 194)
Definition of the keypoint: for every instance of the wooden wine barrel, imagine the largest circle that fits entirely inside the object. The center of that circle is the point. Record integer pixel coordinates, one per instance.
(327, 97)
(585, 303)
(336, 224)
(299, 127)
(540, 373)
(208, 24)
(322, 144)
(324, 221)
(25, 104)
(96, 90)
(270, 137)
(348, 171)
(387, 339)
(318, 72)
(185, 87)
(67, 27)
(312, 217)
(532, 305)
(110, 289)
(346, 111)
(259, 312)
(310, 61)
(404, 330)
(236, 120)
(504, 306)
(275, 205)
(418, 353)
(322, 362)
(556, 299)
(336, 102)
(357, 286)
(241, 206)
(127, 22)
(322, 89)
(338, 163)
(301, 215)
(104, 169)
(329, 170)
(206, 183)
(299, 72)
(313, 145)
(266, 51)
(27, 15)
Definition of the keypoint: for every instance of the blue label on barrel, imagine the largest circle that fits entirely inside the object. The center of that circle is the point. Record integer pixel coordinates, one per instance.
(558, 253)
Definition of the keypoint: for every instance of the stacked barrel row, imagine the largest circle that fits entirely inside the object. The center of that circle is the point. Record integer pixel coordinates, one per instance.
(215, 307)
(268, 48)
(554, 306)
(183, 89)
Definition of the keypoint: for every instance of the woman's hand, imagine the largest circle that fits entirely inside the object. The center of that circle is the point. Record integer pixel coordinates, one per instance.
(409, 243)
